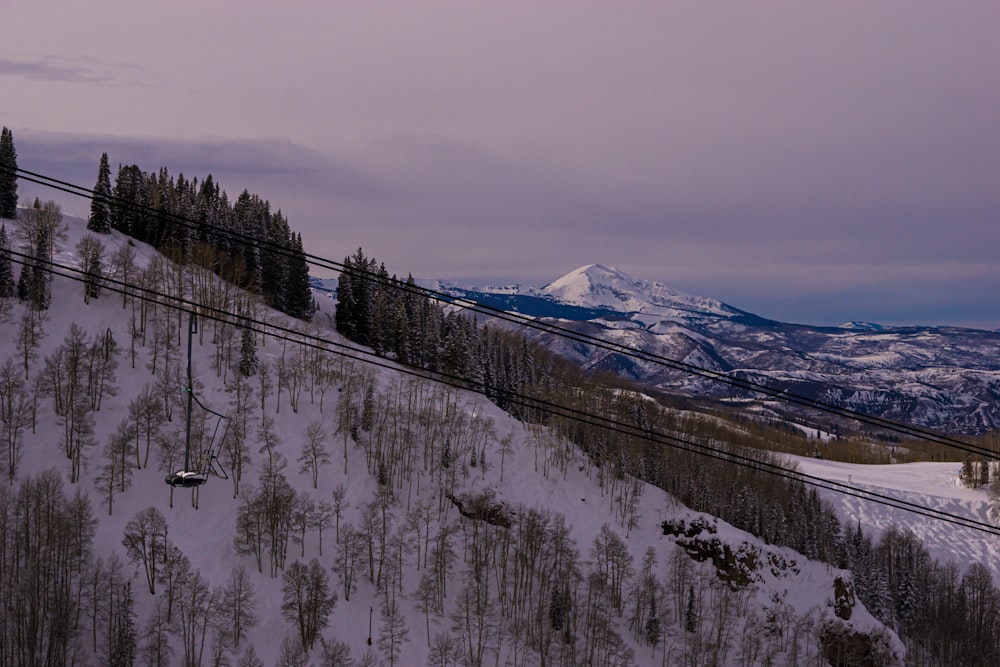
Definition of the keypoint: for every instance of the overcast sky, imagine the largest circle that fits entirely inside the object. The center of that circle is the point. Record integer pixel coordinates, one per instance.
(809, 162)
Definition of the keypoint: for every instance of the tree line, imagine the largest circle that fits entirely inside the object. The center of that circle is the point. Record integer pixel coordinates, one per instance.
(378, 310)
(191, 221)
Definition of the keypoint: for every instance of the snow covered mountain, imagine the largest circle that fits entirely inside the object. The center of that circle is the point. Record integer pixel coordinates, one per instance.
(939, 377)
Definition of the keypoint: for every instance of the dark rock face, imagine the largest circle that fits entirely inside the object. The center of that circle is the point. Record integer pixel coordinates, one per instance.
(844, 599)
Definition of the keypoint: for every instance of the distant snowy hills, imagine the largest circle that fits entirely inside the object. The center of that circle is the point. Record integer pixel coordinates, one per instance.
(938, 377)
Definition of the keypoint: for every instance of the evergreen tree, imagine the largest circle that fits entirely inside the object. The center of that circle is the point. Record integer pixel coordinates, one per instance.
(92, 254)
(298, 293)
(446, 454)
(653, 624)
(248, 354)
(8, 175)
(6, 270)
(41, 288)
(275, 248)
(343, 317)
(356, 298)
(124, 639)
(33, 285)
(100, 206)
(691, 612)
(130, 194)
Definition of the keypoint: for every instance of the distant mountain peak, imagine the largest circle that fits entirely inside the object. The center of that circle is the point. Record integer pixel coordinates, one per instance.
(606, 287)
(862, 326)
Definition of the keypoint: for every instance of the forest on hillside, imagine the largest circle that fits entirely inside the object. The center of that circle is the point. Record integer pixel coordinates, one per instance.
(493, 579)
(896, 578)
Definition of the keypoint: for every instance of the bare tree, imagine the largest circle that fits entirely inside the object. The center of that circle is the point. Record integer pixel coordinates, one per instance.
(445, 651)
(145, 540)
(320, 518)
(94, 595)
(347, 561)
(47, 540)
(265, 384)
(314, 452)
(15, 415)
(392, 632)
(146, 413)
(235, 445)
(336, 653)
(307, 600)
(155, 647)
(249, 658)
(340, 503)
(614, 562)
(123, 268)
(292, 654)
(170, 453)
(29, 336)
(115, 475)
(41, 221)
(78, 422)
(302, 510)
(426, 600)
(198, 605)
(239, 604)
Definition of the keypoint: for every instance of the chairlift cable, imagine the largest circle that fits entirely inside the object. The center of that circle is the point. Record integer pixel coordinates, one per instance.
(541, 405)
(522, 320)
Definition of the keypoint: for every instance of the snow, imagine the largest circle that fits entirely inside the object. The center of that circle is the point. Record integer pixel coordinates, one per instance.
(205, 534)
(598, 286)
(931, 484)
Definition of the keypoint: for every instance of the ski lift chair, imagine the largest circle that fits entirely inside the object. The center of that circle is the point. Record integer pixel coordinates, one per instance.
(187, 478)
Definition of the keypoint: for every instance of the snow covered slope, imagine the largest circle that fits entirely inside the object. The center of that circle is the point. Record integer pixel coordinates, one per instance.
(534, 479)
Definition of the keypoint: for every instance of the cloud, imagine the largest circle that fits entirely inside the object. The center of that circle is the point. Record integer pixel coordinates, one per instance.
(276, 169)
(57, 68)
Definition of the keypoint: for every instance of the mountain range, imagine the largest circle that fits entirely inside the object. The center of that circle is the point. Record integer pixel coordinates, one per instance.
(937, 377)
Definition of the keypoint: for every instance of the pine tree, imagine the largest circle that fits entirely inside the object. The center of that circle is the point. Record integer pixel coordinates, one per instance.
(8, 175)
(343, 317)
(92, 254)
(100, 206)
(124, 639)
(6, 270)
(130, 194)
(33, 283)
(446, 454)
(298, 300)
(248, 354)
(41, 288)
(653, 623)
(691, 612)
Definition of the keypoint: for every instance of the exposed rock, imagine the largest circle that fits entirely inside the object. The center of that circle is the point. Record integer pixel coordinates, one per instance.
(845, 647)
(844, 599)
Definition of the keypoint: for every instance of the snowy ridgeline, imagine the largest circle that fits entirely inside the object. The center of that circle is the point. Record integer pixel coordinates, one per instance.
(367, 513)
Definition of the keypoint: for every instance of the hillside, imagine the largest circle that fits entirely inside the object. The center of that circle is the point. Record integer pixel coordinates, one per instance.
(556, 562)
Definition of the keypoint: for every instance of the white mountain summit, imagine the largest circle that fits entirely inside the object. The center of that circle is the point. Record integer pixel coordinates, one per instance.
(608, 288)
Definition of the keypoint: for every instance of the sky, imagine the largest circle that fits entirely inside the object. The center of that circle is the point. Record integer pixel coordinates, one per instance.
(807, 162)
